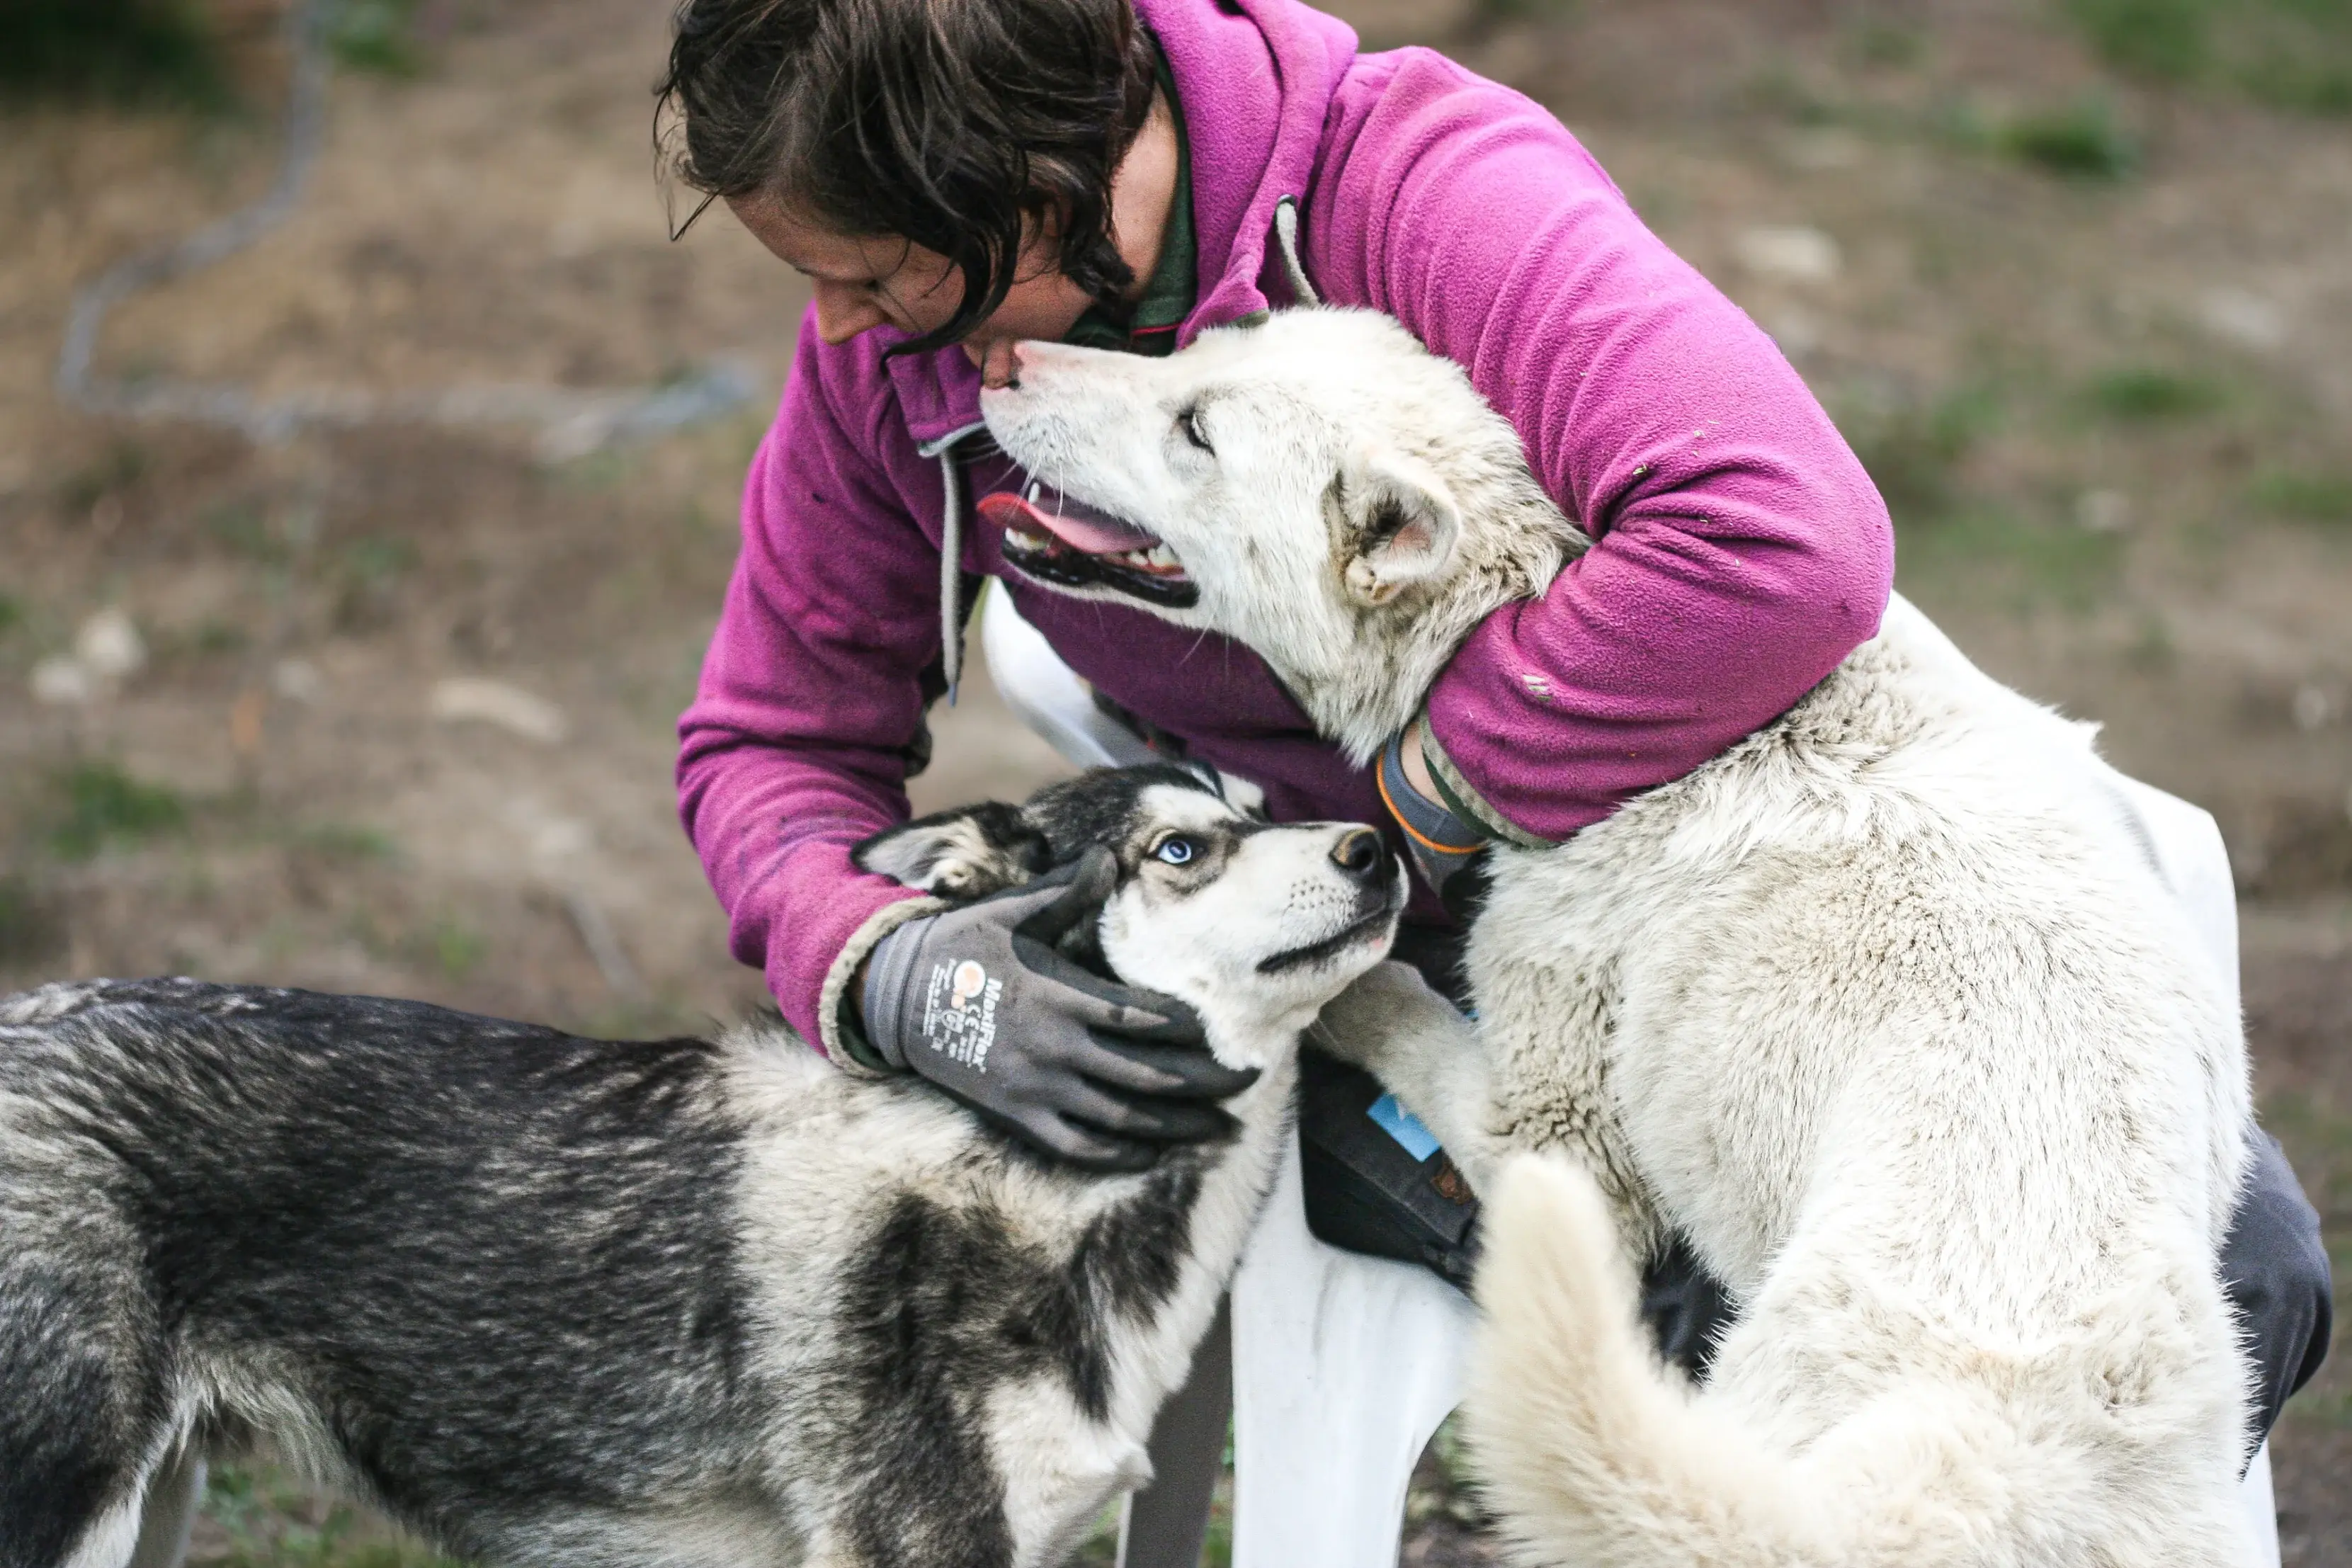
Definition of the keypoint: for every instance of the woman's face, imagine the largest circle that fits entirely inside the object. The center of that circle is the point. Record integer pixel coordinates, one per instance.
(864, 282)
(883, 281)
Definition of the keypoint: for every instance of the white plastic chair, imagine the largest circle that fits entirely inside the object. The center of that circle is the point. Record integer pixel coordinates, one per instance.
(1344, 1365)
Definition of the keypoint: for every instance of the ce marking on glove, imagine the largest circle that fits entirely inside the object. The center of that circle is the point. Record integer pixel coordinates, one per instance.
(960, 1012)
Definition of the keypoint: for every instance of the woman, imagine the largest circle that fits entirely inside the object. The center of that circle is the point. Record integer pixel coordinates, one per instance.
(954, 175)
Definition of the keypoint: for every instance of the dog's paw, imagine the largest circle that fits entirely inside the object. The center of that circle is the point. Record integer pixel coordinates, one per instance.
(1389, 1009)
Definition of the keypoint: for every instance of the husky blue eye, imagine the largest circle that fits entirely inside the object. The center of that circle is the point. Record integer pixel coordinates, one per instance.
(1176, 849)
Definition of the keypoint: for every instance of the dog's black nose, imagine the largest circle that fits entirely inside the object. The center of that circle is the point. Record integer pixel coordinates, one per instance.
(1358, 852)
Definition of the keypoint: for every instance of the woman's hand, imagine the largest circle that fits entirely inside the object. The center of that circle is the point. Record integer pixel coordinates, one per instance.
(978, 1000)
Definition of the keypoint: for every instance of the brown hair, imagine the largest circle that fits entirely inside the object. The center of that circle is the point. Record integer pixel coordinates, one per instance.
(961, 125)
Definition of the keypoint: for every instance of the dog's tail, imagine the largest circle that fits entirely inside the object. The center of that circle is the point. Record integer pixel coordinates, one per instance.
(1588, 1453)
(1593, 1455)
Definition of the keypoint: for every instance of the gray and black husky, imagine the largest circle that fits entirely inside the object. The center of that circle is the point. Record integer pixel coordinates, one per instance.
(549, 1300)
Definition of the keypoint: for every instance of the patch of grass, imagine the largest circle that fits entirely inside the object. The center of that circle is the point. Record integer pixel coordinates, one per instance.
(123, 464)
(2083, 139)
(1442, 1486)
(378, 35)
(378, 558)
(100, 806)
(1877, 41)
(2305, 497)
(454, 948)
(1485, 15)
(1100, 1547)
(1777, 90)
(1911, 450)
(273, 1523)
(32, 928)
(2290, 55)
(2030, 566)
(2302, 85)
(215, 637)
(2327, 1406)
(345, 841)
(367, 574)
(2152, 649)
(129, 53)
(322, 861)
(212, 638)
(602, 469)
(242, 528)
(2167, 40)
(2318, 1140)
(2143, 393)
(11, 614)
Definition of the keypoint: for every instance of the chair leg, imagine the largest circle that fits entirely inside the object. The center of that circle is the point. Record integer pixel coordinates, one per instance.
(1163, 1524)
(2262, 1508)
(2187, 845)
(174, 1496)
(1048, 695)
(1343, 1366)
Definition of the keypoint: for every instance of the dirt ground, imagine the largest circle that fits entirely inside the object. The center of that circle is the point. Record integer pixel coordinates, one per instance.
(2094, 338)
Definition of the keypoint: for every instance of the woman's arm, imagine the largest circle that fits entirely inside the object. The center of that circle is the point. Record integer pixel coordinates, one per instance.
(795, 746)
(1741, 551)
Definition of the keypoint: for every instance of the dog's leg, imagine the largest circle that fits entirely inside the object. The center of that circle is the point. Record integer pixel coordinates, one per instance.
(1425, 1052)
(1548, 1003)
(174, 1494)
(77, 1443)
(143, 1519)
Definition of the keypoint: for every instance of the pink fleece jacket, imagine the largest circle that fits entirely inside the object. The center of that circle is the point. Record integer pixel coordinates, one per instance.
(1741, 551)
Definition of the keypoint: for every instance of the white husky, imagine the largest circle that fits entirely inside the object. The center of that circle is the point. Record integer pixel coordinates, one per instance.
(1886, 1010)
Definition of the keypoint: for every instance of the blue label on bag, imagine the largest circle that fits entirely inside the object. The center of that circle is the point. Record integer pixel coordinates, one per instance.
(1403, 1126)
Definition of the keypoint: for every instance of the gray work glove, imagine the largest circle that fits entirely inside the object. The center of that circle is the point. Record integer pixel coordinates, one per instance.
(978, 1000)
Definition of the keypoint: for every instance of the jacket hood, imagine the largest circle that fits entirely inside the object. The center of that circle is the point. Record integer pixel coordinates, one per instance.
(1256, 78)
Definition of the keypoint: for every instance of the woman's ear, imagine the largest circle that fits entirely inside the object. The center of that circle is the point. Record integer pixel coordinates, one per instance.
(962, 854)
(1403, 527)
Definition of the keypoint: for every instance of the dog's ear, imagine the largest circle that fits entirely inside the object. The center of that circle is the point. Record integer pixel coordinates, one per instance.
(965, 853)
(1400, 524)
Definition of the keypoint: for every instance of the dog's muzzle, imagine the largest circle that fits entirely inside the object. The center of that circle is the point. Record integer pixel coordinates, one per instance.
(1063, 542)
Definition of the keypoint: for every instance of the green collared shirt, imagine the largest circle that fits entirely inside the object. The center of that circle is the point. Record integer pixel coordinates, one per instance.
(1169, 292)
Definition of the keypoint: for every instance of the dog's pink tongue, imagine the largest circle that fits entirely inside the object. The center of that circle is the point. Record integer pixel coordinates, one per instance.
(1073, 522)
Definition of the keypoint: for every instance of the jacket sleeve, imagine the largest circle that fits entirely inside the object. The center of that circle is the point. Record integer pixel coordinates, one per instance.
(1741, 551)
(795, 747)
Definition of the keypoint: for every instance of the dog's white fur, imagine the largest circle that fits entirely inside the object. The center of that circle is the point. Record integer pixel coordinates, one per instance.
(1886, 1010)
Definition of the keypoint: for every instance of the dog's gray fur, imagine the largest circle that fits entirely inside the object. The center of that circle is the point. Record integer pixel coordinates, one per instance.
(1886, 1010)
(554, 1301)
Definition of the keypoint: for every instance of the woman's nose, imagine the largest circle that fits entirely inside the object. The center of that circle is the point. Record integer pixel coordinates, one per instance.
(843, 312)
(1000, 363)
